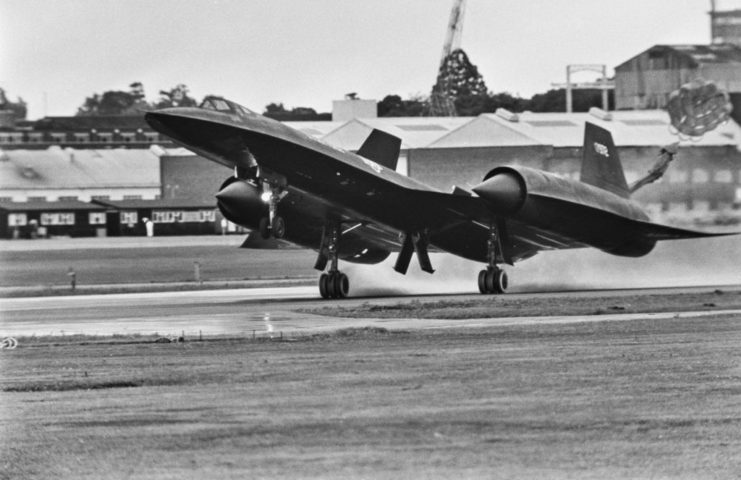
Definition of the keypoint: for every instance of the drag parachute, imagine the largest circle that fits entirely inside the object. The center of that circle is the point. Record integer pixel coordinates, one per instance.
(697, 107)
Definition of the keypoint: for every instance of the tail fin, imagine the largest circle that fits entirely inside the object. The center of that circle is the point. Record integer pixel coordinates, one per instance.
(381, 147)
(601, 165)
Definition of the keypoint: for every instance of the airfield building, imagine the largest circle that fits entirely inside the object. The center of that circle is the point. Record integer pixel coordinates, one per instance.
(646, 80)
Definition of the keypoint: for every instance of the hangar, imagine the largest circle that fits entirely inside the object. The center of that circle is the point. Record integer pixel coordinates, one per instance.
(62, 174)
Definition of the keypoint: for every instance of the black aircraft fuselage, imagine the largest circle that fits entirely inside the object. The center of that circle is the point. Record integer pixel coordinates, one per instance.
(356, 207)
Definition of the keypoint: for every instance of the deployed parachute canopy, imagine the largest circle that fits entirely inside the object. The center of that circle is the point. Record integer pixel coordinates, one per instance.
(697, 107)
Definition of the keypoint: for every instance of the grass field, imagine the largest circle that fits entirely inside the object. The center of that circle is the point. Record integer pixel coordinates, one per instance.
(97, 263)
(535, 306)
(636, 399)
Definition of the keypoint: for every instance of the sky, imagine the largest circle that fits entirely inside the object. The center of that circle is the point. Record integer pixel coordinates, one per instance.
(55, 53)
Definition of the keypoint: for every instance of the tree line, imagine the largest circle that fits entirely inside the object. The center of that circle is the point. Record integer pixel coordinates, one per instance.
(459, 84)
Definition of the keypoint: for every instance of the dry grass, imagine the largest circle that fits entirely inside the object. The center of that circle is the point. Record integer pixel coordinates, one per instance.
(635, 399)
(504, 306)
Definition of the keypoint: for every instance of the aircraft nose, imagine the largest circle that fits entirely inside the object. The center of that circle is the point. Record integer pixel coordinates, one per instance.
(504, 192)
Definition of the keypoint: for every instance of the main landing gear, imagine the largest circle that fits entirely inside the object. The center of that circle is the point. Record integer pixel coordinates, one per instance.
(493, 279)
(333, 284)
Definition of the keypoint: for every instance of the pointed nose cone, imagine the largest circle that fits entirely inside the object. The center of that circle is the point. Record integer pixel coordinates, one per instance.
(240, 202)
(235, 192)
(504, 192)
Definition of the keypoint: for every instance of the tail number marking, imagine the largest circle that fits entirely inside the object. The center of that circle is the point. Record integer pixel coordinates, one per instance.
(601, 150)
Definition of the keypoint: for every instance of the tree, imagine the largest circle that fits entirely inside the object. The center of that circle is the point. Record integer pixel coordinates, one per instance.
(555, 100)
(116, 102)
(176, 97)
(460, 82)
(394, 106)
(19, 107)
(277, 111)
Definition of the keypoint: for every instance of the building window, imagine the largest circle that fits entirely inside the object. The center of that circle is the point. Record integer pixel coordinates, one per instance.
(58, 218)
(6, 199)
(165, 216)
(700, 206)
(700, 175)
(677, 207)
(96, 218)
(190, 216)
(129, 218)
(101, 197)
(36, 199)
(67, 198)
(678, 176)
(17, 219)
(723, 176)
(132, 197)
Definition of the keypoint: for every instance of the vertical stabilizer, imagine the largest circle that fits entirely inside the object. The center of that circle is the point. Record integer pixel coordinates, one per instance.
(601, 165)
(381, 147)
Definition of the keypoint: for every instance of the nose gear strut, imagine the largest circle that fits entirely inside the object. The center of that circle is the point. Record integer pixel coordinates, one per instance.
(274, 189)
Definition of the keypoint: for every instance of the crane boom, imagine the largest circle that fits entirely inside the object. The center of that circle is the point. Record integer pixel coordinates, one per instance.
(455, 29)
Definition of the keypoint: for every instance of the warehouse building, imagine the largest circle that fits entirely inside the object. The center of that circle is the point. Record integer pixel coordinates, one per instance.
(57, 174)
(161, 216)
(39, 219)
(646, 80)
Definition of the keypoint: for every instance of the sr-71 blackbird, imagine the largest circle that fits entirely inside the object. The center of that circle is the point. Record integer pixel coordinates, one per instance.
(355, 207)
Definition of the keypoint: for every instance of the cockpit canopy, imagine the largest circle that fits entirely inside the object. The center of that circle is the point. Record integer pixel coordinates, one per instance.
(221, 104)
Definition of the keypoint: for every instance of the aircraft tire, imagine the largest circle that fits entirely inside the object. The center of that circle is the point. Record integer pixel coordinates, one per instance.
(489, 276)
(500, 281)
(324, 285)
(482, 281)
(264, 228)
(279, 227)
(342, 284)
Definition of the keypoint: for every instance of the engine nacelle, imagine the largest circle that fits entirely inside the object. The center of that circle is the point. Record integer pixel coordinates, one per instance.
(569, 208)
(240, 202)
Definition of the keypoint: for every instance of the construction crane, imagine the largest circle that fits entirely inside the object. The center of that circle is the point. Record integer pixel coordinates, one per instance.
(455, 29)
(441, 104)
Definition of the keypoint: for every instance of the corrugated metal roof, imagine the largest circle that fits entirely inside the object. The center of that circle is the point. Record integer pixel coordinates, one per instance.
(415, 132)
(485, 131)
(158, 203)
(629, 128)
(68, 168)
(316, 129)
(61, 206)
(717, 53)
(696, 55)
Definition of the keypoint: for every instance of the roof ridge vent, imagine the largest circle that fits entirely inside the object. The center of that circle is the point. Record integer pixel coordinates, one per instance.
(507, 115)
(601, 114)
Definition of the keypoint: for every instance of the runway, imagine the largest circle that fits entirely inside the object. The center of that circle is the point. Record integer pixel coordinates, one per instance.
(260, 311)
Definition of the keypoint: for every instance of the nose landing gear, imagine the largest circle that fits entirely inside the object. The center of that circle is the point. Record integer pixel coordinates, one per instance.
(273, 191)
